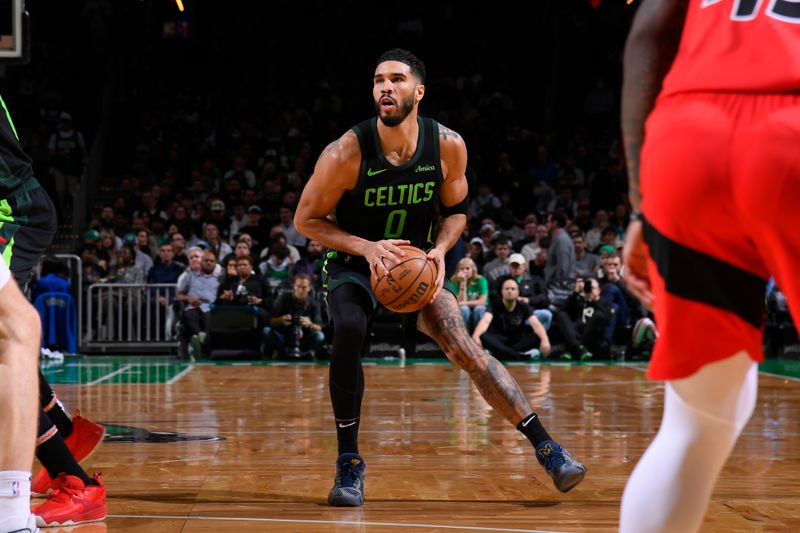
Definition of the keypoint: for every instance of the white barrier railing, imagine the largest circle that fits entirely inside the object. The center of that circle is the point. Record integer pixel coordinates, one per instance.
(129, 316)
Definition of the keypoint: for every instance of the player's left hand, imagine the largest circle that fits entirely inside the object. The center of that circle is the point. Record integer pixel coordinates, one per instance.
(437, 256)
(634, 258)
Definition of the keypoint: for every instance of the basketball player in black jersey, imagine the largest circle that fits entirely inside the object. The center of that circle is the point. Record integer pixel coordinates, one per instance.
(396, 179)
(27, 225)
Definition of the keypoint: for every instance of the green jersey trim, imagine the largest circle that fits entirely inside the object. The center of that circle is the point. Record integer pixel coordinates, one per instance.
(8, 116)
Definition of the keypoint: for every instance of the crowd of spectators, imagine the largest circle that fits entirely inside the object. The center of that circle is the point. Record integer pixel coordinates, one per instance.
(207, 159)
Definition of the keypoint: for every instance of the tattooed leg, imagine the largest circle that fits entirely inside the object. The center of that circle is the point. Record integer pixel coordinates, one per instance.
(442, 321)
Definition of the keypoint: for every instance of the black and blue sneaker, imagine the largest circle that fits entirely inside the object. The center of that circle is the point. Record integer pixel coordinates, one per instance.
(565, 471)
(348, 487)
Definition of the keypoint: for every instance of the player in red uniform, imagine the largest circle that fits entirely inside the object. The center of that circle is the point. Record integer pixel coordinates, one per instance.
(715, 218)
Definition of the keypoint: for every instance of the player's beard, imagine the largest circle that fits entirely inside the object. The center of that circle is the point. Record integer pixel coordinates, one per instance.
(404, 108)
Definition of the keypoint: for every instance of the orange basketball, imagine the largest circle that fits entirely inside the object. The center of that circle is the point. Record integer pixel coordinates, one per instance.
(409, 285)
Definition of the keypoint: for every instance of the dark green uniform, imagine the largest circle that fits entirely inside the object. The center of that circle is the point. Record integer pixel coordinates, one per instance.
(388, 201)
(27, 216)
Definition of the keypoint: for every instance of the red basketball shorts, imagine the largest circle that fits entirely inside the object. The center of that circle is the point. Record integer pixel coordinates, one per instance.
(720, 181)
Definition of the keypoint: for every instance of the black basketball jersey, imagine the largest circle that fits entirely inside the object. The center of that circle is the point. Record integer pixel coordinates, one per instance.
(15, 165)
(394, 202)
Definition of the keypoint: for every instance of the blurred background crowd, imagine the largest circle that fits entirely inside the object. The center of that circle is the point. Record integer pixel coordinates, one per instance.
(176, 145)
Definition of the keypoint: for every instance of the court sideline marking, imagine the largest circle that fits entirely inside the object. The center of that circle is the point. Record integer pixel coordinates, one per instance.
(333, 522)
(110, 375)
(180, 374)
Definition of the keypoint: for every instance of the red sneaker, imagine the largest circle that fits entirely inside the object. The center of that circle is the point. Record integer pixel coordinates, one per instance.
(86, 436)
(72, 503)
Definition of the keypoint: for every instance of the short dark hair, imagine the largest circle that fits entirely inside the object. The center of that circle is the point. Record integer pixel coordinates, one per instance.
(501, 240)
(559, 218)
(404, 56)
(302, 275)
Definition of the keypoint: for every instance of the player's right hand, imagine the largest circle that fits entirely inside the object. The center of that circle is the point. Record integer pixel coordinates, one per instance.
(634, 257)
(384, 253)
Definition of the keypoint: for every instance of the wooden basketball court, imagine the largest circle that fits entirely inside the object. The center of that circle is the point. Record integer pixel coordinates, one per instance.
(246, 447)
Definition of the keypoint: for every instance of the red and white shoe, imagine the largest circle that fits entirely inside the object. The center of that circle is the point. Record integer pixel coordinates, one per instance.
(86, 436)
(72, 503)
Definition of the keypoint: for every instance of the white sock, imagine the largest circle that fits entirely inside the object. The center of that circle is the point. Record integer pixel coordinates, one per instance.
(670, 488)
(15, 499)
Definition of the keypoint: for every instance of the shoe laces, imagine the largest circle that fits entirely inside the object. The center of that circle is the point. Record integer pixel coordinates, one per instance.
(553, 456)
(64, 493)
(350, 472)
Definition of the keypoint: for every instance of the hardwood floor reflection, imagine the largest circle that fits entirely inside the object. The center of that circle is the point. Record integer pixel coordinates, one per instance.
(437, 455)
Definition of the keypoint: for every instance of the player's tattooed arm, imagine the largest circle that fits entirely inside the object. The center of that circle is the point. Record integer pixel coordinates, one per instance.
(446, 133)
(491, 378)
(649, 51)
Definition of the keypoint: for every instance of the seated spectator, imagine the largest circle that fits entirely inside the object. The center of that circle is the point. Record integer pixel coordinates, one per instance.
(276, 236)
(140, 259)
(277, 267)
(214, 241)
(179, 249)
(312, 263)
(145, 243)
(197, 290)
(475, 252)
(245, 289)
(293, 237)
(257, 227)
(528, 233)
(503, 329)
(296, 324)
(108, 245)
(219, 219)
(499, 265)
(601, 222)
(229, 272)
(586, 263)
(531, 249)
(242, 249)
(238, 220)
(93, 268)
(166, 270)
(532, 289)
(242, 287)
(485, 204)
(584, 321)
(609, 238)
(125, 270)
(472, 292)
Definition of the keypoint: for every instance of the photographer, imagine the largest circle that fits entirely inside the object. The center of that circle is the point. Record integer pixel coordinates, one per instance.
(296, 324)
(584, 321)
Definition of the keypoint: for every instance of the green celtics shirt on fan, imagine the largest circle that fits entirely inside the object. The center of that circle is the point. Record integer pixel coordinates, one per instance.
(393, 202)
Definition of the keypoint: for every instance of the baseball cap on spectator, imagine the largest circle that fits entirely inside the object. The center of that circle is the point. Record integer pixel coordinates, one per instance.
(65, 116)
(218, 205)
(486, 227)
(129, 238)
(91, 235)
(254, 209)
(476, 240)
(607, 248)
(518, 259)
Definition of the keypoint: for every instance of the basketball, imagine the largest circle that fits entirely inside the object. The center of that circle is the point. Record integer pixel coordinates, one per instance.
(644, 333)
(409, 285)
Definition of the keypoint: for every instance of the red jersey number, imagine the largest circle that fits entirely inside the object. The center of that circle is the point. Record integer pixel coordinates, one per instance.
(744, 10)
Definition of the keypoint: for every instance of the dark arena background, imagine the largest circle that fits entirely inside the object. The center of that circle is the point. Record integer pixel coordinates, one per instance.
(197, 124)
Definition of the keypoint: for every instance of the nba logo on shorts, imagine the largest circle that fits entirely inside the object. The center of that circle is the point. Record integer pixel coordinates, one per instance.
(15, 488)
